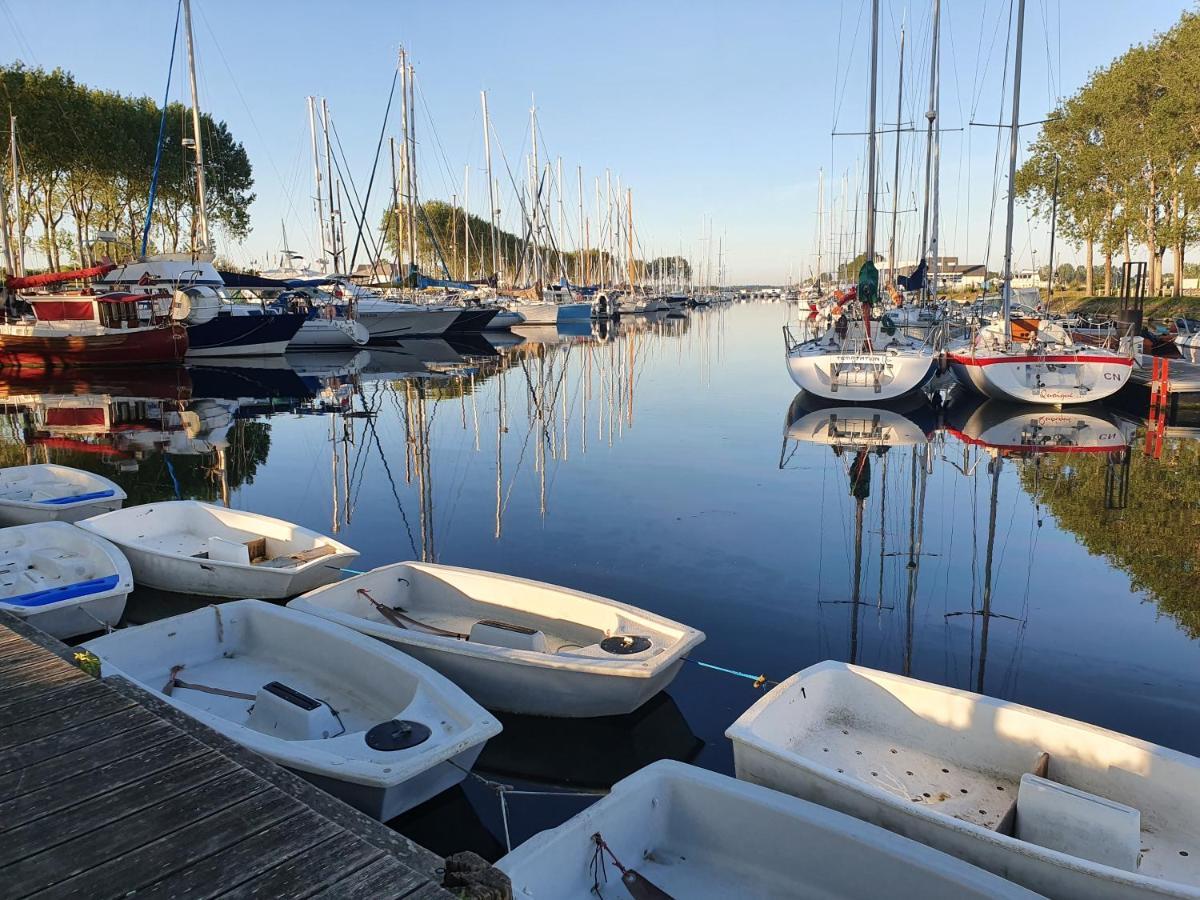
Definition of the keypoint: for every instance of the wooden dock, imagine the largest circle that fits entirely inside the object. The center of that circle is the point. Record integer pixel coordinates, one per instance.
(1183, 377)
(105, 791)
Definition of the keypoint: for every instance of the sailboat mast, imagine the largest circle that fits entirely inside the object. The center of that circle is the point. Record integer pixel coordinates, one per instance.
(333, 229)
(316, 160)
(201, 208)
(18, 217)
(820, 219)
(466, 223)
(1012, 173)
(487, 153)
(581, 243)
(896, 168)
(931, 115)
(1053, 230)
(870, 251)
(629, 230)
(395, 201)
(414, 202)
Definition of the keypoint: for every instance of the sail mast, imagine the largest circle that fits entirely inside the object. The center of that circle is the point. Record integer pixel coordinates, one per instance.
(487, 152)
(870, 250)
(333, 229)
(316, 160)
(1012, 173)
(896, 168)
(201, 209)
(931, 115)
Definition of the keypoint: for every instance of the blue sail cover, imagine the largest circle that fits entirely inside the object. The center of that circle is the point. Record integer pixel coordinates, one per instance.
(915, 280)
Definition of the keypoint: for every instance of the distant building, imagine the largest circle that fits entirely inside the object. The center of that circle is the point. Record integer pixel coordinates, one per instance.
(953, 274)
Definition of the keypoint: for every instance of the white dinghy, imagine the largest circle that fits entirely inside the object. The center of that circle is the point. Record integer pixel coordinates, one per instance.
(198, 548)
(1064, 808)
(357, 718)
(691, 833)
(49, 493)
(514, 645)
(62, 580)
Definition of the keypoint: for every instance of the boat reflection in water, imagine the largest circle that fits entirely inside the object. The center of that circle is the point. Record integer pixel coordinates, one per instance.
(859, 435)
(1028, 433)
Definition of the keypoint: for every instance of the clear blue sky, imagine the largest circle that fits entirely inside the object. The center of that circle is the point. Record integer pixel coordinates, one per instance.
(707, 110)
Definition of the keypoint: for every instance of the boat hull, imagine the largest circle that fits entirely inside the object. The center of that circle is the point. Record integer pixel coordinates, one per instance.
(384, 323)
(243, 335)
(325, 334)
(472, 320)
(861, 377)
(579, 684)
(96, 494)
(697, 834)
(878, 734)
(116, 348)
(1051, 378)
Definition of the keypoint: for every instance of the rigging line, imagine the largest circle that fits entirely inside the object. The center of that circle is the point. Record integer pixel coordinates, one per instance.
(839, 99)
(249, 112)
(999, 145)
(392, 481)
(162, 127)
(448, 184)
(370, 183)
(348, 179)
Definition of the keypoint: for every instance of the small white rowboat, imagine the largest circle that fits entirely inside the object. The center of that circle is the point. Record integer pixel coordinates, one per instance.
(692, 833)
(49, 493)
(1064, 808)
(357, 718)
(62, 580)
(514, 645)
(198, 548)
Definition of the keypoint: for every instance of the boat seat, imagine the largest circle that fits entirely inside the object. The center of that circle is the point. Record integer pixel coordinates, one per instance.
(221, 550)
(56, 565)
(292, 559)
(1060, 817)
(505, 634)
(282, 711)
(1008, 821)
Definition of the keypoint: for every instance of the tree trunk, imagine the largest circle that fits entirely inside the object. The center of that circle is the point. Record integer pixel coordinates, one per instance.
(1091, 270)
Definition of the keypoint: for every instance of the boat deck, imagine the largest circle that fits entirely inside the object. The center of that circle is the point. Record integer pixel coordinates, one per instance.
(882, 761)
(105, 790)
(971, 795)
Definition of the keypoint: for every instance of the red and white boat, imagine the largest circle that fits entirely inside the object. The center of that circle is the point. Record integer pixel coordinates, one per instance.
(60, 331)
(1040, 363)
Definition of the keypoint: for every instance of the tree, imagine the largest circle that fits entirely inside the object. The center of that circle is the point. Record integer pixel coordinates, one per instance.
(87, 157)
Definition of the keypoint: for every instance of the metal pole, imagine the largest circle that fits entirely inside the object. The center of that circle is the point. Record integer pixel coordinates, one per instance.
(413, 201)
(1012, 173)
(487, 151)
(18, 222)
(466, 223)
(871, 133)
(1053, 229)
(931, 118)
(896, 169)
(316, 158)
(333, 232)
(395, 202)
(201, 209)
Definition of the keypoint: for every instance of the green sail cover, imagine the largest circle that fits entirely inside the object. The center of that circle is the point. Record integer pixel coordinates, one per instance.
(868, 283)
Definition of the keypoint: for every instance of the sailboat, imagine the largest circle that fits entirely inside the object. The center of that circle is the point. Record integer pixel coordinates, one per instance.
(1027, 359)
(847, 360)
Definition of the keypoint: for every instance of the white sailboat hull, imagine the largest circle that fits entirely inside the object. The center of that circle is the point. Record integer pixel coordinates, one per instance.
(860, 377)
(1057, 378)
(50, 493)
(330, 334)
(385, 319)
(943, 766)
(198, 548)
(62, 580)
(696, 834)
(571, 677)
(247, 645)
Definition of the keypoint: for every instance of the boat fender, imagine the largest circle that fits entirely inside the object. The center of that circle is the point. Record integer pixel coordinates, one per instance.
(397, 734)
(625, 644)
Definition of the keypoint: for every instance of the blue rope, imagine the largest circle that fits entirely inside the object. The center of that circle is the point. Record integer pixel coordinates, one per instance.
(174, 480)
(162, 128)
(759, 680)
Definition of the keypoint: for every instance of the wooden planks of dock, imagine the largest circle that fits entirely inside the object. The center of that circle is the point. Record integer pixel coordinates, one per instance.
(106, 791)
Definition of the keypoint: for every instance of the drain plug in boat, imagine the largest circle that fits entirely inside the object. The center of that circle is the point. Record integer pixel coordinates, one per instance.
(397, 734)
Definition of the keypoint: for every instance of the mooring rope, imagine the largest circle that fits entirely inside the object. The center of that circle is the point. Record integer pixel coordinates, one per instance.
(759, 680)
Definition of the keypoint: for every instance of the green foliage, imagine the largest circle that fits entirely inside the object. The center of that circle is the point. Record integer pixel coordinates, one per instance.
(87, 155)
(441, 226)
(1126, 152)
(1152, 538)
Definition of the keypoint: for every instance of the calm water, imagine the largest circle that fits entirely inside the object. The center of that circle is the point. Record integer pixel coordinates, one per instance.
(670, 464)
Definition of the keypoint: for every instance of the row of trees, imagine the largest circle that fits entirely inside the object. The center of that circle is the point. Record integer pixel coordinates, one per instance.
(1126, 153)
(85, 160)
(444, 232)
